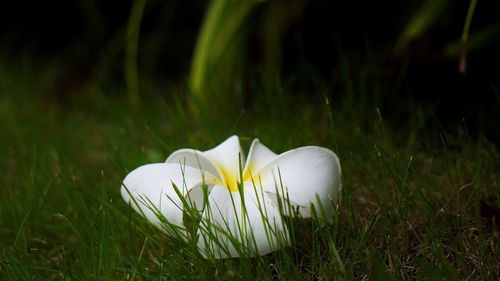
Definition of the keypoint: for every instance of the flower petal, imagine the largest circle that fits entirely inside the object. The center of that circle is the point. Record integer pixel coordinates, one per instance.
(150, 190)
(304, 175)
(196, 159)
(227, 157)
(240, 224)
(221, 161)
(258, 156)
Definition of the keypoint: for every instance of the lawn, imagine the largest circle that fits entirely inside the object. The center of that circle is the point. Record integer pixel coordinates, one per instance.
(416, 203)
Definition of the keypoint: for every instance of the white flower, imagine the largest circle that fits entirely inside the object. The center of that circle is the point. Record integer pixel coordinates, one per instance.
(240, 206)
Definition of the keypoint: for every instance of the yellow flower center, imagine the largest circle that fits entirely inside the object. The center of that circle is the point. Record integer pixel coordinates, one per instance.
(230, 180)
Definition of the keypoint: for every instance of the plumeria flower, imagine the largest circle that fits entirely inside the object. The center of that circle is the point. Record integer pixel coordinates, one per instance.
(240, 203)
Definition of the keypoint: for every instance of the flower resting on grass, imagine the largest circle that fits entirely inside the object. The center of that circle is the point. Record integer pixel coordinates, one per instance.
(236, 206)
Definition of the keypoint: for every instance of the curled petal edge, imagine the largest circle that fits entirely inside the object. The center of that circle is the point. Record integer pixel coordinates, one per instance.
(307, 177)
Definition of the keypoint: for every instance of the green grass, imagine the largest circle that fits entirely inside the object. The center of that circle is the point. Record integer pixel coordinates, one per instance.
(410, 206)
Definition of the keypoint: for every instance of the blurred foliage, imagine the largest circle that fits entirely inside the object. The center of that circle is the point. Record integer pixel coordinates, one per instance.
(423, 19)
(477, 41)
(219, 55)
(219, 68)
(132, 42)
(221, 49)
(223, 54)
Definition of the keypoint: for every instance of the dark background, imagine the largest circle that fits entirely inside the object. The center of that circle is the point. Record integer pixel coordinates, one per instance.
(345, 47)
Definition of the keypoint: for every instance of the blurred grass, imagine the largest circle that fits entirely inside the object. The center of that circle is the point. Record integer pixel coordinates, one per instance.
(410, 208)
(131, 46)
(423, 19)
(217, 59)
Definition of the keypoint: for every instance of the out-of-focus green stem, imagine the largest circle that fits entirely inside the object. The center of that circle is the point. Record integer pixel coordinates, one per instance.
(462, 66)
(217, 49)
(131, 45)
(426, 15)
(207, 33)
(468, 20)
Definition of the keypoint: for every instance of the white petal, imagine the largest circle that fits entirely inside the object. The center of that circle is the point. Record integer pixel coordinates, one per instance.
(258, 156)
(232, 227)
(153, 193)
(196, 159)
(227, 157)
(304, 175)
(221, 161)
